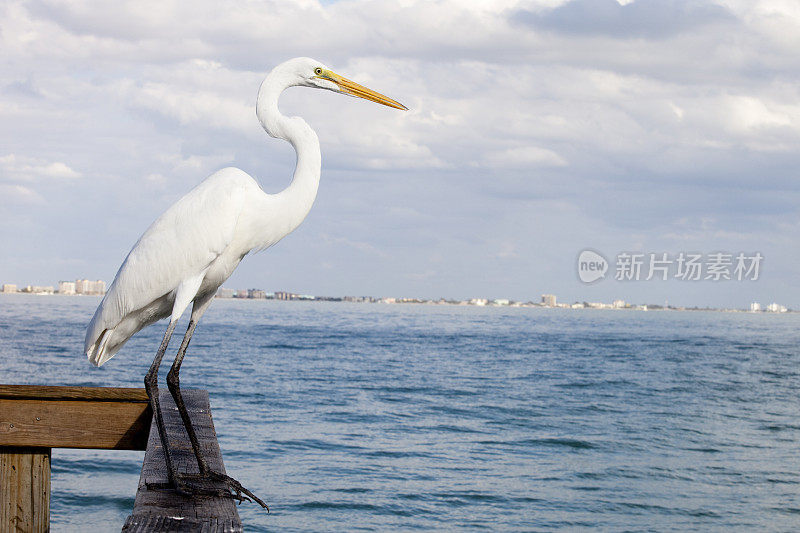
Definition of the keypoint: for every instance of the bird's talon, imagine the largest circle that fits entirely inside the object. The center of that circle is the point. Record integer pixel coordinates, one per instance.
(189, 485)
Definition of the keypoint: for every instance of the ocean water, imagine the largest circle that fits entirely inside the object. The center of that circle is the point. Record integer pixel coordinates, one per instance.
(368, 417)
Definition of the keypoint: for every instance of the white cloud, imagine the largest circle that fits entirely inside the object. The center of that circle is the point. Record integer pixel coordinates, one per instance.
(19, 194)
(360, 246)
(524, 157)
(747, 113)
(16, 168)
(508, 250)
(197, 108)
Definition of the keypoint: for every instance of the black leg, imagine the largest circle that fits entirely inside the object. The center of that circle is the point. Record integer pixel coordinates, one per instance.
(173, 382)
(151, 386)
(191, 483)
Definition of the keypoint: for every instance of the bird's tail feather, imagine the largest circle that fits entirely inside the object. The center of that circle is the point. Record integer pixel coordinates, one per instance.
(100, 351)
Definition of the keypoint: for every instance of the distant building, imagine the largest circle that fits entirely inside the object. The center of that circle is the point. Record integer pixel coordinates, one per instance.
(755, 307)
(619, 304)
(478, 301)
(66, 287)
(256, 294)
(9, 288)
(85, 286)
(501, 301)
(282, 295)
(776, 308)
(222, 292)
(549, 300)
(39, 289)
(241, 293)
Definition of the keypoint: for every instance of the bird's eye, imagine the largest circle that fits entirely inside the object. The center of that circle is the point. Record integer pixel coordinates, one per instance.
(317, 71)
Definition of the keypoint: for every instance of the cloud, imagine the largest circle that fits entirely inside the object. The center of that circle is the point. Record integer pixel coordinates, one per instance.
(16, 168)
(19, 194)
(360, 246)
(194, 107)
(508, 250)
(524, 157)
(747, 114)
(654, 19)
(25, 88)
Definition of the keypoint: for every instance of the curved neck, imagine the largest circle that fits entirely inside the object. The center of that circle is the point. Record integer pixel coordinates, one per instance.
(296, 200)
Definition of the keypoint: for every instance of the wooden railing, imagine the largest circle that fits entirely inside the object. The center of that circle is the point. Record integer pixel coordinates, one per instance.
(159, 510)
(35, 419)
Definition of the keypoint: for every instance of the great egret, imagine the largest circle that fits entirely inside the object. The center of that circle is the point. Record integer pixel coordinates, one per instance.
(196, 244)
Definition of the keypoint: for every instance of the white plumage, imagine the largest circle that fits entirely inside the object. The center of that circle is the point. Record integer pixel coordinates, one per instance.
(191, 249)
(196, 244)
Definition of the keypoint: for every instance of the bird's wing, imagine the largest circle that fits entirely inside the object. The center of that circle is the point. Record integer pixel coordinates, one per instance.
(180, 244)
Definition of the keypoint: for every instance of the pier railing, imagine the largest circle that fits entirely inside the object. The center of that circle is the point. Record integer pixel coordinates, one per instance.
(34, 419)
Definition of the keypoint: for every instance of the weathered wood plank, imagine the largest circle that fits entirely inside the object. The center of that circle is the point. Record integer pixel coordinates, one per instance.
(40, 392)
(25, 489)
(166, 510)
(52, 423)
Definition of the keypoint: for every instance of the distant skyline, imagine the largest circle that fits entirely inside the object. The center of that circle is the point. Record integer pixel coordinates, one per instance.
(90, 288)
(546, 129)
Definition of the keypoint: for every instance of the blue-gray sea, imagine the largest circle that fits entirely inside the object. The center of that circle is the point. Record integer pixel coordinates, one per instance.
(370, 417)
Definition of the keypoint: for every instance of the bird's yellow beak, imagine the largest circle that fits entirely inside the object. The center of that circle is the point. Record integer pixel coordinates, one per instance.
(352, 88)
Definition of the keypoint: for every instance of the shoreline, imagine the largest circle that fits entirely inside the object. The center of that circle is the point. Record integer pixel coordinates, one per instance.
(451, 303)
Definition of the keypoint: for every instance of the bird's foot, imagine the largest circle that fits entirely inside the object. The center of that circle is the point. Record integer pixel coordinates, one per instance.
(209, 484)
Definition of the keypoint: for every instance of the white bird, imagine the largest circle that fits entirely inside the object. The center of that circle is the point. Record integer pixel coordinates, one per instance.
(195, 245)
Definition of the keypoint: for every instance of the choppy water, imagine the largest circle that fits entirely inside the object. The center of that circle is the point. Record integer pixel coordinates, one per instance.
(365, 417)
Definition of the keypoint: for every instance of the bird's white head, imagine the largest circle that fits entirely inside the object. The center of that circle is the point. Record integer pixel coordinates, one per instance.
(307, 72)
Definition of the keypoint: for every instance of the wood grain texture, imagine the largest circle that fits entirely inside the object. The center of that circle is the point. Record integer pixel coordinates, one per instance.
(166, 510)
(25, 489)
(49, 423)
(41, 392)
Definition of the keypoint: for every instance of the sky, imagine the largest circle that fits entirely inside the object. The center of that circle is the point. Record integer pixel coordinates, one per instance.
(536, 130)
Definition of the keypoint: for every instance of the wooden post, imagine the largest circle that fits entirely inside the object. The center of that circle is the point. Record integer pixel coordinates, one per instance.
(25, 486)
